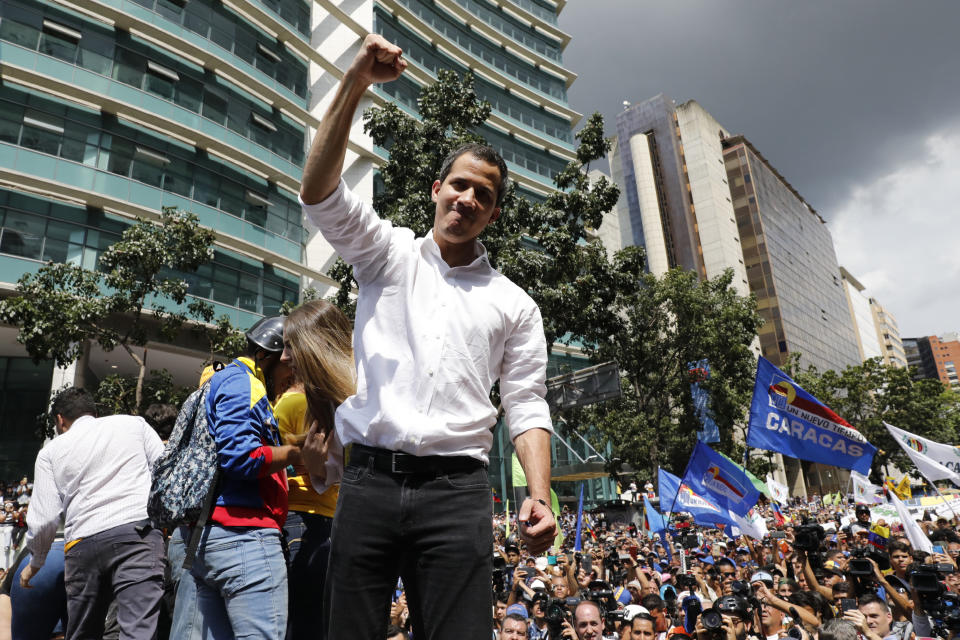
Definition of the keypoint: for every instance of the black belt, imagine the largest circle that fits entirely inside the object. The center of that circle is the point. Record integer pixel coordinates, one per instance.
(406, 463)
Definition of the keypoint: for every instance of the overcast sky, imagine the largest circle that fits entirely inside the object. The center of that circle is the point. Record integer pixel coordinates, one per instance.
(855, 102)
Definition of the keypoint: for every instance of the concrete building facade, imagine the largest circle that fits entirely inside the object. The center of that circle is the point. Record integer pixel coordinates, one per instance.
(888, 334)
(935, 357)
(861, 313)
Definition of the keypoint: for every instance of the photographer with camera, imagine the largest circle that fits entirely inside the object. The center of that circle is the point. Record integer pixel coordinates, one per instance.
(763, 590)
(872, 619)
(730, 618)
(587, 623)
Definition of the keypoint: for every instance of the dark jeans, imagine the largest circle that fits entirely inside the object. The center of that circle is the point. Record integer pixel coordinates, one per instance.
(38, 611)
(432, 530)
(120, 564)
(308, 541)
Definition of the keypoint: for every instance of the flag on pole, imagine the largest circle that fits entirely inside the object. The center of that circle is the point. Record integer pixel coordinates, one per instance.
(577, 543)
(506, 522)
(777, 491)
(778, 516)
(700, 372)
(903, 488)
(683, 498)
(720, 480)
(555, 507)
(916, 536)
(864, 491)
(935, 461)
(787, 419)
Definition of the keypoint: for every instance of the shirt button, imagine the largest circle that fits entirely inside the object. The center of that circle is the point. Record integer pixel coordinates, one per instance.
(430, 373)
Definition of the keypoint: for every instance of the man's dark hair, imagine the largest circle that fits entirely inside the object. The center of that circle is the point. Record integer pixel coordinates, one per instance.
(161, 417)
(896, 545)
(72, 403)
(393, 631)
(652, 601)
(812, 600)
(501, 596)
(480, 152)
(944, 535)
(872, 598)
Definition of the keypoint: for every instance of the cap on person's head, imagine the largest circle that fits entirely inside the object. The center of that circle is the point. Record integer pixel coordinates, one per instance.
(518, 609)
(665, 577)
(622, 595)
(635, 584)
(633, 610)
(538, 584)
(862, 508)
(707, 560)
(678, 631)
(762, 576)
(267, 334)
(832, 567)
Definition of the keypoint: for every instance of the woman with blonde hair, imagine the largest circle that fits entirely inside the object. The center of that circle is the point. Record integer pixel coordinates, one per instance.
(317, 347)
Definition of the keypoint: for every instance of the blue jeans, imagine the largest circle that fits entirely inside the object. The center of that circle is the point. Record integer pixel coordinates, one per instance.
(237, 587)
(36, 611)
(431, 529)
(308, 541)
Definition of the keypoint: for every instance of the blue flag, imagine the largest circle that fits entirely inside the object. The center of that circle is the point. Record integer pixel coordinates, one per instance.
(654, 522)
(700, 371)
(682, 498)
(786, 419)
(720, 480)
(577, 545)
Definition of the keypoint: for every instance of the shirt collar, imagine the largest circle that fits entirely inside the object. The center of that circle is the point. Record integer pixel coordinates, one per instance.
(480, 262)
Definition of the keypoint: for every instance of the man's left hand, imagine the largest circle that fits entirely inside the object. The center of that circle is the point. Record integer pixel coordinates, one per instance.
(26, 575)
(540, 529)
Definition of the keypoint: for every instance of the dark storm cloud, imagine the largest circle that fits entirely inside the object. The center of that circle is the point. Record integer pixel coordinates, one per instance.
(833, 92)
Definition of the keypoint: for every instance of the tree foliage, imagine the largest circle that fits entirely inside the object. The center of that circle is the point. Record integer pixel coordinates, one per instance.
(869, 394)
(656, 331)
(117, 394)
(133, 293)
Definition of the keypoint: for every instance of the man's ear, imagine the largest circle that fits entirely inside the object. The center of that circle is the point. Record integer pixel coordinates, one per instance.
(495, 215)
(435, 190)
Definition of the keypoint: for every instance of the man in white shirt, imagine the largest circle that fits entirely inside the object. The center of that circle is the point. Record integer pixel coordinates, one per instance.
(96, 475)
(436, 326)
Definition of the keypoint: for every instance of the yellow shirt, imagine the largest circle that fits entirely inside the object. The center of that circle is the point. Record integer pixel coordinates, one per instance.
(290, 410)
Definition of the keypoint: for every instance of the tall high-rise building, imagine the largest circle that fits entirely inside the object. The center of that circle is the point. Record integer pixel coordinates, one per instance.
(112, 109)
(888, 333)
(696, 196)
(861, 313)
(935, 357)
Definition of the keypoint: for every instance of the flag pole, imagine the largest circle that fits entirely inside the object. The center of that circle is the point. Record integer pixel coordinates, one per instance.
(942, 497)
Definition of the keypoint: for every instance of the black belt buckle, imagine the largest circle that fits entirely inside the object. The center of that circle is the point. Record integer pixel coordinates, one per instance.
(397, 462)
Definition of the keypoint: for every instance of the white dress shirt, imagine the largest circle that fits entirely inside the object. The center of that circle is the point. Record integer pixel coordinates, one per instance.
(430, 340)
(96, 474)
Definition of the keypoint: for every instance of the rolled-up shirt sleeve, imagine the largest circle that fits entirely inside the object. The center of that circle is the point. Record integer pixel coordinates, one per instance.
(354, 229)
(523, 386)
(45, 512)
(333, 467)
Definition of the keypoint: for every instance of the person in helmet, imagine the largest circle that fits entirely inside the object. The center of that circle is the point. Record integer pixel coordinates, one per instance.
(237, 586)
(862, 523)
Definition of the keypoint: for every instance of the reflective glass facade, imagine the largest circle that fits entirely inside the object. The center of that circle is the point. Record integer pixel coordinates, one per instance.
(527, 115)
(791, 266)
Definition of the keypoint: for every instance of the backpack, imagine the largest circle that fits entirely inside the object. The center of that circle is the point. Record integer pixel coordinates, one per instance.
(185, 475)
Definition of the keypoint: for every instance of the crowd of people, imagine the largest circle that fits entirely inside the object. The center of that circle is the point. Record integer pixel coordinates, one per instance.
(810, 577)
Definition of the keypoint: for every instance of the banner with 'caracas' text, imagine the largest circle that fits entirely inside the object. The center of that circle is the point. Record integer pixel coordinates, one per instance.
(786, 419)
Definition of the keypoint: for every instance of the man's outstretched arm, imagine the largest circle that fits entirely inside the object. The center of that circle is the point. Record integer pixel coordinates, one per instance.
(377, 61)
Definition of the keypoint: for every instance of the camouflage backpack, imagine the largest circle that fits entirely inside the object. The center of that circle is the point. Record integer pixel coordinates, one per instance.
(185, 474)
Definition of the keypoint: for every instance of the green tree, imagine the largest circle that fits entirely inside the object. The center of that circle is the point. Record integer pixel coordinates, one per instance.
(871, 393)
(117, 394)
(655, 331)
(132, 296)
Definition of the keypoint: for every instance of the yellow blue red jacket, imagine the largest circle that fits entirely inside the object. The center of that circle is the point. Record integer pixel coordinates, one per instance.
(243, 427)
